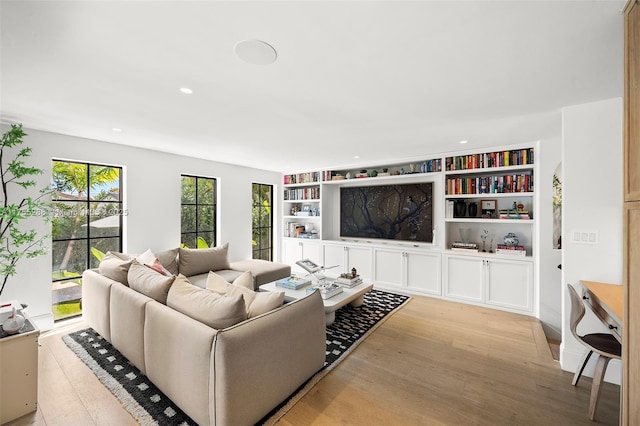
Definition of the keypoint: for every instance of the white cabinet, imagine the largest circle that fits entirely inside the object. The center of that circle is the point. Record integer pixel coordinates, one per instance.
(345, 257)
(414, 270)
(509, 284)
(464, 276)
(493, 281)
(297, 249)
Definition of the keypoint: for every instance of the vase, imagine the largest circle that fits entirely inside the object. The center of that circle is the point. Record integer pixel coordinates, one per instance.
(473, 209)
(511, 239)
(460, 208)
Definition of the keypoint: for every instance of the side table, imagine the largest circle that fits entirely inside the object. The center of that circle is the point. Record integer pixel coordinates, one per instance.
(18, 371)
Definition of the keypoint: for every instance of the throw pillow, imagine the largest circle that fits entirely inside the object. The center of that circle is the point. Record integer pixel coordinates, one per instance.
(169, 259)
(257, 302)
(209, 308)
(157, 263)
(201, 261)
(115, 265)
(148, 282)
(218, 284)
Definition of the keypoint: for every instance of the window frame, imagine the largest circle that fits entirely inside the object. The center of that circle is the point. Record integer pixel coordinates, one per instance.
(197, 205)
(259, 250)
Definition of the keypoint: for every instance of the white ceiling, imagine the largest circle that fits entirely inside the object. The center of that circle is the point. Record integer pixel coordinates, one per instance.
(378, 79)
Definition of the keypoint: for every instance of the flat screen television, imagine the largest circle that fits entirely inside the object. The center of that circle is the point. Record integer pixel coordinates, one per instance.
(402, 212)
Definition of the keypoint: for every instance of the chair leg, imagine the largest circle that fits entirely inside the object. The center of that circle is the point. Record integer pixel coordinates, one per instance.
(580, 369)
(598, 375)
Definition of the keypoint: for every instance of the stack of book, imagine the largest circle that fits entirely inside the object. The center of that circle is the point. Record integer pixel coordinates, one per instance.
(511, 250)
(514, 214)
(293, 282)
(348, 280)
(461, 246)
(327, 290)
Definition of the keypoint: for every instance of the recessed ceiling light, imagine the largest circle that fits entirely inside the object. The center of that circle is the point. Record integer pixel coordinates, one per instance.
(356, 156)
(255, 52)
(115, 129)
(463, 142)
(186, 90)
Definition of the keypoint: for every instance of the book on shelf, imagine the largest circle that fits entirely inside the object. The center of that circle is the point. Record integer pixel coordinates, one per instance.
(521, 253)
(293, 282)
(464, 246)
(461, 244)
(510, 248)
(467, 250)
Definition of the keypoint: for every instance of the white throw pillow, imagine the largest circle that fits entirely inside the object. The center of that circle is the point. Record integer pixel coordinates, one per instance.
(209, 308)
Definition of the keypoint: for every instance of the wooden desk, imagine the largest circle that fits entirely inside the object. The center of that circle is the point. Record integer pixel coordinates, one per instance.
(605, 300)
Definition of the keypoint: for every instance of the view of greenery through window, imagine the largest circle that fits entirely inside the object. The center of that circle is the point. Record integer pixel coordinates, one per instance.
(262, 227)
(86, 223)
(198, 216)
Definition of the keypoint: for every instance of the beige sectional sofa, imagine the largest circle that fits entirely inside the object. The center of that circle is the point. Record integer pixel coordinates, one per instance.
(228, 376)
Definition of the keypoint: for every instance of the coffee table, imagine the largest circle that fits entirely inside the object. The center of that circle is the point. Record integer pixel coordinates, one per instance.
(353, 296)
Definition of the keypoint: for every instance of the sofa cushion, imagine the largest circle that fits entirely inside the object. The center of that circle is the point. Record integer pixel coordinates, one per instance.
(219, 283)
(258, 302)
(209, 308)
(263, 271)
(169, 259)
(115, 265)
(200, 261)
(149, 282)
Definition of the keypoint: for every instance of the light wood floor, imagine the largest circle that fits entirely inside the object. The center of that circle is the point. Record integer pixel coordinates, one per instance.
(433, 362)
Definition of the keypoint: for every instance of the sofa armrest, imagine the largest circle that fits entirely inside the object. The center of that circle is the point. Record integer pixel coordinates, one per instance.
(263, 271)
(96, 300)
(261, 361)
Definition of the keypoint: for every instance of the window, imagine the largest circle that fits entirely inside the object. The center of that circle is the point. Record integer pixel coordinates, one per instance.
(198, 216)
(262, 216)
(86, 223)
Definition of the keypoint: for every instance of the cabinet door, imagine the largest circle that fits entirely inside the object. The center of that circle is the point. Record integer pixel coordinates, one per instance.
(312, 250)
(335, 258)
(423, 272)
(388, 267)
(510, 284)
(463, 277)
(292, 252)
(361, 259)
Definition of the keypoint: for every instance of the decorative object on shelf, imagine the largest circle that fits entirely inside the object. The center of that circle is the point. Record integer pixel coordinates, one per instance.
(488, 208)
(373, 173)
(464, 235)
(295, 209)
(473, 209)
(354, 272)
(460, 208)
(14, 323)
(511, 239)
(483, 237)
(423, 167)
(349, 175)
(491, 245)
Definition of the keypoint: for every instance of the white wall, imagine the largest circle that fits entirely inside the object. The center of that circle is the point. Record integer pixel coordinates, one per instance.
(549, 276)
(592, 202)
(152, 198)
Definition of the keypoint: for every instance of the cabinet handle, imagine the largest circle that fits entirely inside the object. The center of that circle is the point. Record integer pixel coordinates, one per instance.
(612, 327)
(585, 297)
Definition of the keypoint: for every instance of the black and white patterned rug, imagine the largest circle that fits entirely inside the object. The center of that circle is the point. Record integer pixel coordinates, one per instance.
(149, 406)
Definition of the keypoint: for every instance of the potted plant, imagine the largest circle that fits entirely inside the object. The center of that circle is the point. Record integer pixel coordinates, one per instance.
(17, 243)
